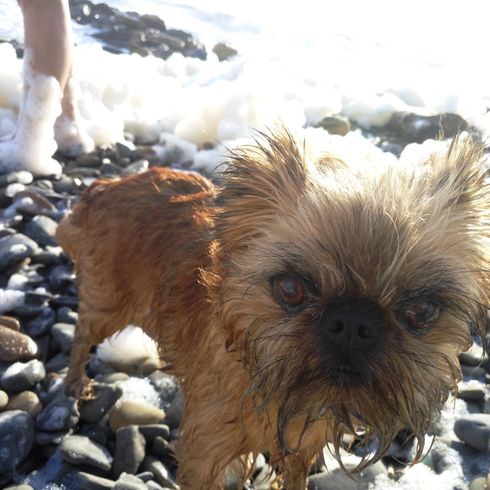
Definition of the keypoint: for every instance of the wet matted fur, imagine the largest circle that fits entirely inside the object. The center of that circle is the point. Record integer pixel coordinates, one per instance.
(246, 287)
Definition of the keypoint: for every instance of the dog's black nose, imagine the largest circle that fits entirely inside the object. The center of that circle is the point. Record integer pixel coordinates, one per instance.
(353, 324)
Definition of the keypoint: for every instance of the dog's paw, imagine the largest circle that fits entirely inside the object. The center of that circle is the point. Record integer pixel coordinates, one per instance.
(81, 388)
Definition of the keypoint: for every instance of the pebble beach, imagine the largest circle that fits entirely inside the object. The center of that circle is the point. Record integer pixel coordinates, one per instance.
(190, 102)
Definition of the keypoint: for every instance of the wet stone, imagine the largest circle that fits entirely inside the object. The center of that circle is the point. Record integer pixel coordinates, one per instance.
(14, 248)
(50, 438)
(17, 436)
(66, 315)
(57, 363)
(86, 481)
(474, 429)
(105, 397)
(4, 399)
(162, 475)
(15, 346)
(22, 376)
(151, 431)
(42, 230)
(60, 414)
(62, 335)
(80, 450)
(61, 276)
(41, 325)
(26, 401)
(130, 450)
(129, 482)
(133, 413)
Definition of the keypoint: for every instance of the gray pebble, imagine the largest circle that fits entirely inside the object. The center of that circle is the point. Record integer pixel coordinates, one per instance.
(129, 482)
(105, 397)
(474, 356)
(130, 450)
(150, 431)
(162, 474)
(42, 230)
(86, 481)
(16, 436)
(61, 277)
(60, 414)
(62, 335)
(14, 248)
(50, 438)
(175, 411)
(22, 376)
(57, 363)
(80, 450)
(66, 315)
(474, 429)
(42, 324)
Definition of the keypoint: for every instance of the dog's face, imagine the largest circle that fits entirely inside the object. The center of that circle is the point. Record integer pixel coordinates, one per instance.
(349, 293)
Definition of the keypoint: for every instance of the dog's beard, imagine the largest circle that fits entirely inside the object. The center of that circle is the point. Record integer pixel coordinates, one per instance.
(397, 388)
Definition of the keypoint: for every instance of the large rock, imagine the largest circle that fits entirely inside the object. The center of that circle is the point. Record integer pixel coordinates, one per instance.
(16, 436)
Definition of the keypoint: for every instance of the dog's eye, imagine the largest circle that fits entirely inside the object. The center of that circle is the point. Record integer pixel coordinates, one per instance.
(290, 292)
(419, 316)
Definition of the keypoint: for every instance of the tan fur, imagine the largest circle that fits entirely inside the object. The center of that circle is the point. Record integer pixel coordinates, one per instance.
(192, 265)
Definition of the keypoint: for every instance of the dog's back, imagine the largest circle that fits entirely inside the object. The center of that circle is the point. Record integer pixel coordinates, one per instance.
(127, 238)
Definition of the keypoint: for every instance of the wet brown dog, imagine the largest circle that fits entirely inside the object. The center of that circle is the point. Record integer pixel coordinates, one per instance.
(300, 301)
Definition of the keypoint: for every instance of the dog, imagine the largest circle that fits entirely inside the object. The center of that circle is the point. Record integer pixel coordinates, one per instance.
(300, 301)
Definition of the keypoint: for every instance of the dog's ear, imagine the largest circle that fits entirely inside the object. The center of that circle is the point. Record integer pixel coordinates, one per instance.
(460, 190)
(260, 180)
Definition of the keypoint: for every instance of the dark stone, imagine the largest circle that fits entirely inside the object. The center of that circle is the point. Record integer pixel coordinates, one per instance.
(130, 450)
(66, 315)
(59, 415)
(129, 482)
(21, 376)
(334, 125)
(105, 397)
(41, 325)
(62, 335)
(15, 248)
(42, 230)
(80, 450)
(162, 475)
(224, 52)
(61, 276)
(150, 431)
(17, 436)
(474, 429)
(86, 481)
(418, 128)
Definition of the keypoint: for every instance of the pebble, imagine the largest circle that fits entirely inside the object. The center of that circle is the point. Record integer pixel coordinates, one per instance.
(17, 437)
(130, 450)
(80, 450)
(62, 335)
(4, 399)
(151, 431)
(15, 346)
(335, 125)
(9, 322)
(42, 229)
(175, 410)
(162, 475)
(479, 483)
(105, 397)
(14, 248)
(66, 315)
(41, 325)
(22, 376)
(127, 412)
(86, 481)
(129, 482)
(26, 401)
(474, 429)
(60, 414)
